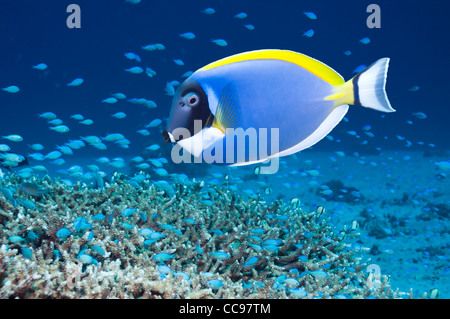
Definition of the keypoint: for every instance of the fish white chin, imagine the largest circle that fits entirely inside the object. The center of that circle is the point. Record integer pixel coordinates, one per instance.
(202, 140)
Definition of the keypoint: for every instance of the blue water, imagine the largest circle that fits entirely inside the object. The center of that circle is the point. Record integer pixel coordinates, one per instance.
(413, 35)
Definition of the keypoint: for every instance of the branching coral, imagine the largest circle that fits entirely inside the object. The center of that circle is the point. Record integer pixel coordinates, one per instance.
(203, 240)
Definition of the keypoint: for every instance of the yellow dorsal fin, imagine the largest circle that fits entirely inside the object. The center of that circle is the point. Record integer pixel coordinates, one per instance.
(312, 65)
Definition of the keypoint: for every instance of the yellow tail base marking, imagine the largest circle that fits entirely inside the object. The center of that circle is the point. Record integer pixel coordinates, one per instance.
(343, 94)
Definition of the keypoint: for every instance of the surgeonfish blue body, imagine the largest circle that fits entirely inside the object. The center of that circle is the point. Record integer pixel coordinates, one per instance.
(278, 95)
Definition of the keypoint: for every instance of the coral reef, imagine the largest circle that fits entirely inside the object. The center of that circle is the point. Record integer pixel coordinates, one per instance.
(181, 240)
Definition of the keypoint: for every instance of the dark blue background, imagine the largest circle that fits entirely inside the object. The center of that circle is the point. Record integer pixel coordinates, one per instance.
(414, 34)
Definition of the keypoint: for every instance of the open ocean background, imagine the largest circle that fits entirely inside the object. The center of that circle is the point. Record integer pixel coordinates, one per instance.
(406, 207)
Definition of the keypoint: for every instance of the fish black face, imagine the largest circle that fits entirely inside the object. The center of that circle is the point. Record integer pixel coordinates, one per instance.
(189, 104)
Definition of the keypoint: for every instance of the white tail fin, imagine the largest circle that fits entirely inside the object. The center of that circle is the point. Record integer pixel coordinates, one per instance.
(369, 87)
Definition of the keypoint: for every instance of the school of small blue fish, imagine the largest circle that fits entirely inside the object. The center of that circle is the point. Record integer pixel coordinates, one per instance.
(373, 191)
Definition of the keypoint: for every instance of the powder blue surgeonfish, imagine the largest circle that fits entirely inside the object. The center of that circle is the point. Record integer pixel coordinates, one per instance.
(264, 104)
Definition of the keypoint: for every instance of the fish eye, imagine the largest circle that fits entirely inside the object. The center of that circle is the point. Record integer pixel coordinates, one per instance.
(191, 99)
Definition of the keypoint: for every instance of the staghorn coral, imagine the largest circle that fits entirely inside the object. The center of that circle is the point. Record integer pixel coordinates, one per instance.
(309, 253)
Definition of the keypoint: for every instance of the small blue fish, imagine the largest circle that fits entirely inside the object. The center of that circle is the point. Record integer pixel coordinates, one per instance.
(4, 148)
(11, 89)
(189, 221)
(81, 223)
(32, 235)
(126, 226)
(241, 15)
(27, 252)
(76, 82)
(318, 274)
(256, 247)
(15, 239)
(119, 96)
(298, 292)
(110, 100)
(154, 123)
(98, 217)
(132, 56)
(146, 232)
(128, 212)
(310, 15)
(166, 226)
(63, 233)
(40, 66)
(156, 235)
(28, 204)
(33, 189)
(220, 42)
(217, 232)
(255, 238)
(153, 147)
(143, 132)
(119, 115)
(135, 70)
(86, 259)
(291, 282)
(47, 116)
(420, 115)
(60, 128)
(365, 40)
(282, 218)
(184, 275)
(258, 231)
(209, 11)
(164, 269)
(8, 194)
(98, 250)
(214, 284)
(207, 202)
(250, 262)
(177, 232)
(275, 242)
(360, 68)
(77, 117)
(53, 155)
(87, 122)
(271, 248)
(162, 257)
(309, 33)
(220, 255)
(149, 242)
(143, 217)
(187, 35)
